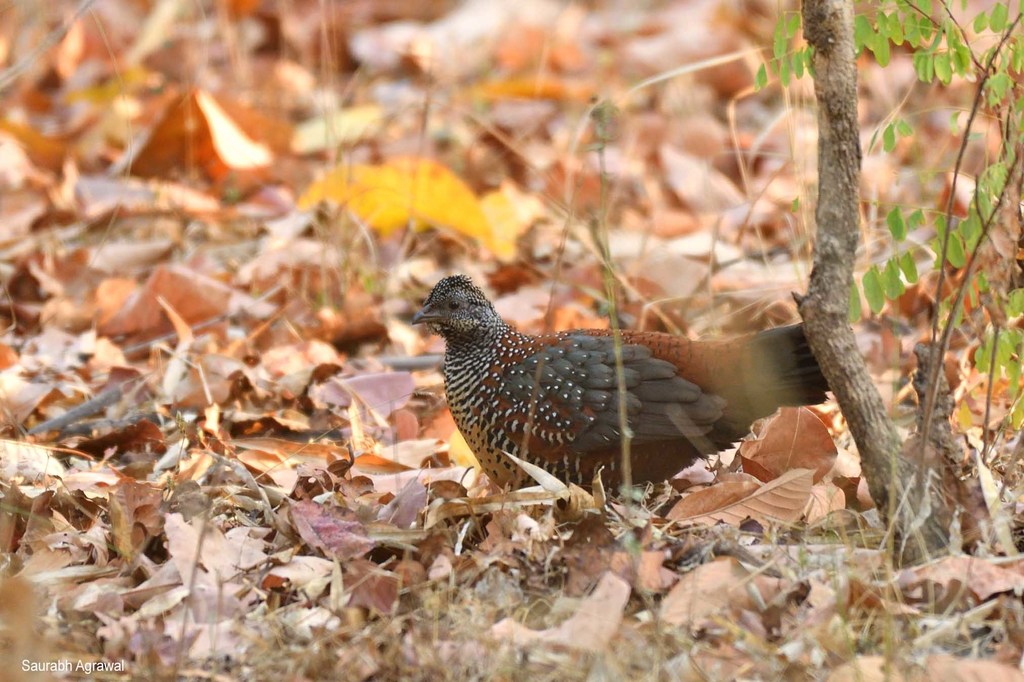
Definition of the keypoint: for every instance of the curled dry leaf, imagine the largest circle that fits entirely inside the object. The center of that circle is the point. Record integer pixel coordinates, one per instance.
(443, 510)
(134, 516)
(392, 477)
(825, 498)
(795, 438)
(371, 586)
(371, 465)
(310, 574)
(783, 499)
(983, 578)
(712, 587)
(729, 489)
(333, 530)
(27, 461)
(21, 397)
(381, 393)
(194, 296)
(403, 510)
(199, 545)
(197, 131)
(591, 628)
(277, 458)
(119, 258)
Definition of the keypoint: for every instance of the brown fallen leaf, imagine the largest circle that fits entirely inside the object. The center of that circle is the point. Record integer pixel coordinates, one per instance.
(381, 393)
(697, 183)
(403, 510)
(983, 578)
(307, 573)
(197, 131)
(946, 668)
(333, 530)
(19, 624)
(141, 437)
(134, 517)
(591, 628)
(195, 297)
(651, 574)
(783, 499)
(938, 668)
(31, 147)
(867, 669)
(371, 586)
(825, 498)
(795, 438)
(20, 397)
(728, 490)
(28, 461)
(200, 546)
(703, 592)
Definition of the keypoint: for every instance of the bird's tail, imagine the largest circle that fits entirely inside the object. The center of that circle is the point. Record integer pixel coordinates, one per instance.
(774, 368)
(792, 376)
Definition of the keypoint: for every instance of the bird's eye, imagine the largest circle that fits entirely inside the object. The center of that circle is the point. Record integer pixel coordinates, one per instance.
(454, 305)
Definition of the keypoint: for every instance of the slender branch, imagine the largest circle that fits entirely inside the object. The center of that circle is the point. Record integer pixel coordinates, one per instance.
(939, 349)
(988, 396)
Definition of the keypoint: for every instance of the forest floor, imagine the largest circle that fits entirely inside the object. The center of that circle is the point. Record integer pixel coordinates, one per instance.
(226, 452)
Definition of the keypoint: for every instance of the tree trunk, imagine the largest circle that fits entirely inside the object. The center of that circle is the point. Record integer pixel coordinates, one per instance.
(905, 490)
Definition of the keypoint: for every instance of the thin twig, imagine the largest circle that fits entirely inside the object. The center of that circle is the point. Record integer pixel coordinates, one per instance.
(988, 395)
(939, 349)
(11, 74)
(98, 403)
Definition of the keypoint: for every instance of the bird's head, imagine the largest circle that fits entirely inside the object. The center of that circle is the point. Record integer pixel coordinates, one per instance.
(456, 308)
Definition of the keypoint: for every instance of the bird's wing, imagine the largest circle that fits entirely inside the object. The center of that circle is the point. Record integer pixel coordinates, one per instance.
(564, 395)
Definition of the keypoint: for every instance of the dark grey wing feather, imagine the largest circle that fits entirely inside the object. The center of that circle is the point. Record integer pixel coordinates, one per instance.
(571, 386)
(660, 405)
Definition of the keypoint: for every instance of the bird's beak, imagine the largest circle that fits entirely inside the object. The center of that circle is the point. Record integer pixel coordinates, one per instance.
(426, 314)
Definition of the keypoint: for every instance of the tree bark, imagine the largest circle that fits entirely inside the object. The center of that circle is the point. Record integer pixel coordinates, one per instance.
(906, 491)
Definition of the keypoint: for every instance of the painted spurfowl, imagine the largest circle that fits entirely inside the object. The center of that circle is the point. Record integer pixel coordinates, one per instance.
(553, 400)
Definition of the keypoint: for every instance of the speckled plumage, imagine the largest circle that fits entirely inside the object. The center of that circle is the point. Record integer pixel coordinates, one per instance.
(553, 400)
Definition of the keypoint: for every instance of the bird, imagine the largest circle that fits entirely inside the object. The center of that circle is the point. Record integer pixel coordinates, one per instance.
(553, 400)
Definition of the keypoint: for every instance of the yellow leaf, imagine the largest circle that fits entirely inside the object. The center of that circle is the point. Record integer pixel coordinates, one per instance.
(501, 214)
(964, 418)
(530, 87)
(509, 213)
(110, 90)
(391, 195)
(459, 452)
